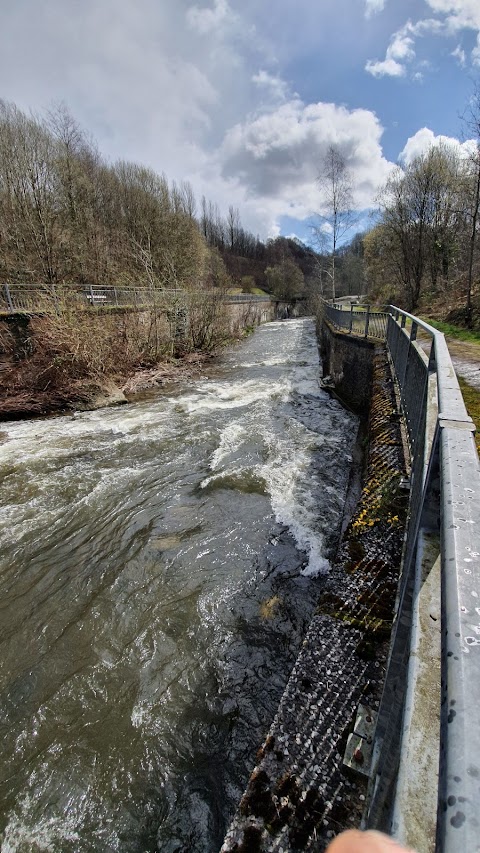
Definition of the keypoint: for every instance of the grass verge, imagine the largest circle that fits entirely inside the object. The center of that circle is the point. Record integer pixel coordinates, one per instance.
(454, 331)
(472, 401)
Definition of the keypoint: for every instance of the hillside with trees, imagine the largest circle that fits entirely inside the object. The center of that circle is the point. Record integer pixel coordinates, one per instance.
(66, 215)
(424, 249)
(70, 219)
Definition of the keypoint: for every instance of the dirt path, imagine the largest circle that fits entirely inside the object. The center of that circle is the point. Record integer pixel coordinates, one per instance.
(465, 357)
(466, 360)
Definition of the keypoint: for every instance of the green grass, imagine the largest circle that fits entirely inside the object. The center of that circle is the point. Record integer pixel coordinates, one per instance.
(454, 331)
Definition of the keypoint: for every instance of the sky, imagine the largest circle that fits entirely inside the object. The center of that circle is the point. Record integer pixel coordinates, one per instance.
(243, 97)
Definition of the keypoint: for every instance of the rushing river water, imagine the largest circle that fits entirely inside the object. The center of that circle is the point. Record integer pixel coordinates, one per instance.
(159, 563)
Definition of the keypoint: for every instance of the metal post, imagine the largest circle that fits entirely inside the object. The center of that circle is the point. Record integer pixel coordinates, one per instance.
(351, 317)
(8, 298)
(367, 321)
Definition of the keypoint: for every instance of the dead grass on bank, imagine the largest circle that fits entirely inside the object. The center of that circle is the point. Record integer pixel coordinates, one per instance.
(65, 360)
(61, 360)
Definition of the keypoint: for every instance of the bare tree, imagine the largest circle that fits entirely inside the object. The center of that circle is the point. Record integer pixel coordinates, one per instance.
(27, 179)
(419, 219)
(336, 185)
(233, 226)
(188, 199)
(472, 123)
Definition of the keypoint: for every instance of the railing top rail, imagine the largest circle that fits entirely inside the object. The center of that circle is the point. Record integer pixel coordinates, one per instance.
(29, 297)
(392, 309)
(362, 321)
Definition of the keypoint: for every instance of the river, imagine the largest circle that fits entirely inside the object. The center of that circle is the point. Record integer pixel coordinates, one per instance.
(159, 564)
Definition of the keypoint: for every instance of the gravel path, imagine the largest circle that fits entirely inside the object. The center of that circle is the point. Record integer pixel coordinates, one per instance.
(466, 360)
(465, 357)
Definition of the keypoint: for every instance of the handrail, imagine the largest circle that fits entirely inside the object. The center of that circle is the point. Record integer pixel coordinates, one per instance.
(444, 509)
(431, 734)
(47, 298)
(364, 322)
(445, 493)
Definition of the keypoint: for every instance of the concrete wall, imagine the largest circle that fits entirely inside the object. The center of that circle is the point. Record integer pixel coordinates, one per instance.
(244, 314)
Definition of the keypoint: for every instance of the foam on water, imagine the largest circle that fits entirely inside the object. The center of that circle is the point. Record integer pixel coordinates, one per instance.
(288, 477)
(46, 836)
(232, 395)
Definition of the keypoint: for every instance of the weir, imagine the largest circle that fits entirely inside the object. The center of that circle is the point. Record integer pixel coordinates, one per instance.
(418, 759)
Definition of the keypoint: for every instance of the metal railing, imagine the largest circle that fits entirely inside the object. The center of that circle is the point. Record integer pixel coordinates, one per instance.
(356, 320)
(443, 536)
(425, 780)
(43, 298)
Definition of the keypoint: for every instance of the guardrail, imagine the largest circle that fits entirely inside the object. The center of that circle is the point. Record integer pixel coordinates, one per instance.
(43, 298)
(362, 321)
(425, 776)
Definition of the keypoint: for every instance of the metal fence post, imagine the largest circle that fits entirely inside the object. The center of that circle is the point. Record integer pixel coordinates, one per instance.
(367, 321)
(8, 297)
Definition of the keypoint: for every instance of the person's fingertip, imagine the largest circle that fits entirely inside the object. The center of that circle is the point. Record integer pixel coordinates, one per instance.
(347, 842)
(389, 843)
(355, 841)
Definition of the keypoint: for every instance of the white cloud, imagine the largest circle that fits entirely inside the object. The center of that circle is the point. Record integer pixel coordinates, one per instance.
(278, 155)
(476, 53)
(460, 14)
(206, 19)
(452, 16)
(385, 68)
(425, 139)
(372, 7)
(399, 52)
(275, 87)
(459, 55)
(294, 237)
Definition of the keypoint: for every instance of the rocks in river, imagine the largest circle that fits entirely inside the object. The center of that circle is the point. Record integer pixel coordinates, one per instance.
(105, 394)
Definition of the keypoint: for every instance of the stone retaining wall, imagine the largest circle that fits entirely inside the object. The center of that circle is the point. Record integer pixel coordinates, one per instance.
(348, 360)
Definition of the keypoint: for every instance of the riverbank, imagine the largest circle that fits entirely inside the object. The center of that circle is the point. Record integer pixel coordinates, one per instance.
(82, 360)
(18, 399)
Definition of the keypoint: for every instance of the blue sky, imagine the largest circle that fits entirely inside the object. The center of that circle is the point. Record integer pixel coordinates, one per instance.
(243, 97)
